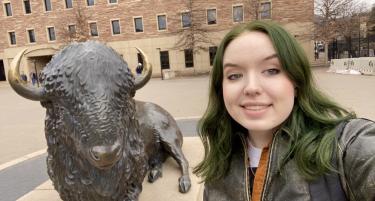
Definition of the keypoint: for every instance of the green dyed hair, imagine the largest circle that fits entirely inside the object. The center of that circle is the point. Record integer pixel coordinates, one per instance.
(310, 126)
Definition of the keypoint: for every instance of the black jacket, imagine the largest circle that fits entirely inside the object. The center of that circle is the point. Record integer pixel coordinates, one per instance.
(356, 164)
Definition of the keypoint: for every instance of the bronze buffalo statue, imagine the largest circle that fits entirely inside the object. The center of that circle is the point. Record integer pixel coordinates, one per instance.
(101, 142)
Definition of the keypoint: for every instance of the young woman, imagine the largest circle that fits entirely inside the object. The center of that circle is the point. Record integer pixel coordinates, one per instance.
(270, 134)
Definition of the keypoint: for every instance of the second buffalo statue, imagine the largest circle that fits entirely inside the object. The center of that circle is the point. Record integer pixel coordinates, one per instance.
(101, 142)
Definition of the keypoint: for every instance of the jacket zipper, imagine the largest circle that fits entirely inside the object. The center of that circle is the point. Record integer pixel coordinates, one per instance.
(246, 162)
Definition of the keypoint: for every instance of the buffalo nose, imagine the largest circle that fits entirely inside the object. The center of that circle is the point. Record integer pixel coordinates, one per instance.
(105, 156)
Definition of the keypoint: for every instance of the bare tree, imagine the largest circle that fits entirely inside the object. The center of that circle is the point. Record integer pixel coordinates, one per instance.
(260, 9)
(350, 25)
(78, 29)
(371, 21)
(255, 9)
(328, 13)
(340, 19)
(194, 33)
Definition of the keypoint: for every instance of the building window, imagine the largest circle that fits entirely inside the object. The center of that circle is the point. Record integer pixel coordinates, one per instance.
(51, 33)
(237, 13)
(112, 1)
(93, 29)
(211, 16)
(189, 58)
(138, 24)
(68, 4)
(164, 59)
(27, 6)
(47, 5)
(212, 52)
(8, 9)
(115, 27)
(31, 35)
(12, 38)
(265, 10)
(186, 19)
(162, 22)
(72, 29)
(90, 2)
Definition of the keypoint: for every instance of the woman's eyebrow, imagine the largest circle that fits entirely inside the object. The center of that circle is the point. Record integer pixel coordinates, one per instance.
(271, 57)
(230, 65)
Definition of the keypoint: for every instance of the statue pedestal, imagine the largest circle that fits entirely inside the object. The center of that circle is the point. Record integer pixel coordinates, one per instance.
(164, 189)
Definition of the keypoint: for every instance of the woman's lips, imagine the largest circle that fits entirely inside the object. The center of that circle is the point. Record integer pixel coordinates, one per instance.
(256, 107)
(255, 110)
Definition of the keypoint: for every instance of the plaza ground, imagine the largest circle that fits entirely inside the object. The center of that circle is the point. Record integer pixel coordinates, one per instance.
(21, 120)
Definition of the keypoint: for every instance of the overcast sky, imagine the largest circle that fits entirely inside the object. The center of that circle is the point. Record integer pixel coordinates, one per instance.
(370, 2)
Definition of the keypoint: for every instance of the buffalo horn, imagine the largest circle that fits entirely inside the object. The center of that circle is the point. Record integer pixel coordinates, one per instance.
(142, 79)
(24, 90)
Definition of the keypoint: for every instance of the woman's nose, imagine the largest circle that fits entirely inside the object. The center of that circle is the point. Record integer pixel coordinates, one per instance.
(252, 85)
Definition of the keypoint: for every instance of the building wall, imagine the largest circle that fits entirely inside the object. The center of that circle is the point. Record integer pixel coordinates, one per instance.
(295, 15)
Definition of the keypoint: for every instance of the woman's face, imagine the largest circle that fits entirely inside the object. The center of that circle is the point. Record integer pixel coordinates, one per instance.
(257, 92)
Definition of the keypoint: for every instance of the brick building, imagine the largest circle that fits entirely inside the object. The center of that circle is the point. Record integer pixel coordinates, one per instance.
(179, 36)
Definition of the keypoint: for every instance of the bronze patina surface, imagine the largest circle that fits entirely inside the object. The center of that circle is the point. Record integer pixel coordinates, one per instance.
(101, 142)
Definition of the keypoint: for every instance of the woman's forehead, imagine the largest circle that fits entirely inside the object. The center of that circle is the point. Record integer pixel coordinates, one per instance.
(249, 45)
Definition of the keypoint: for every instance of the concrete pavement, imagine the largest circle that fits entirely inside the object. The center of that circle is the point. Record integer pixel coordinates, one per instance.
(21, 121)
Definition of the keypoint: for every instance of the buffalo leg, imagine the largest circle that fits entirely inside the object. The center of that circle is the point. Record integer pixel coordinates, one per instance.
(156, 163)
(176, 152)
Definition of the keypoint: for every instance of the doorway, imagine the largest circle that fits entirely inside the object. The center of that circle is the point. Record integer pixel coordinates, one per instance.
(36, 66)
(2, 71)
(164, 60)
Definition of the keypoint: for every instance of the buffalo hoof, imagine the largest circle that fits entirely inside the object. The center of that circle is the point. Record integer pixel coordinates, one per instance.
(154, 175)
(185, 184)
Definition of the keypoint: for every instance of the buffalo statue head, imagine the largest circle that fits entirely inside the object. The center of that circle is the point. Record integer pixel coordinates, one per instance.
(88, 91)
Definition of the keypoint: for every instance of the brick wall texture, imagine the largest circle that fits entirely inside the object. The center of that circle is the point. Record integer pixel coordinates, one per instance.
(284, 11)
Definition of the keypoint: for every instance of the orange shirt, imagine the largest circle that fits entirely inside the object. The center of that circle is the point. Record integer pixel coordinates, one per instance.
(260, 175)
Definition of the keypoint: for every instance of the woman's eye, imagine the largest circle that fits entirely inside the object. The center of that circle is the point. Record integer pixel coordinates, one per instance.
(234, 76)
(272, 71)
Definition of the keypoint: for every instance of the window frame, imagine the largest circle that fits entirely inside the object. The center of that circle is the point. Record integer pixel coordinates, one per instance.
(66, 4)
(207, 22)
(166, 23)
(189, 53)
(45, 5)
(119, 26)
(48, 33)
(261, 11)
(6, 14)
(10, 38)
(243, 13)
(97, 28)
(75, 29)
(109, 2)
(135, 29)
(24, 7)
(28, 35)
(87, 3)
(182, 21)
